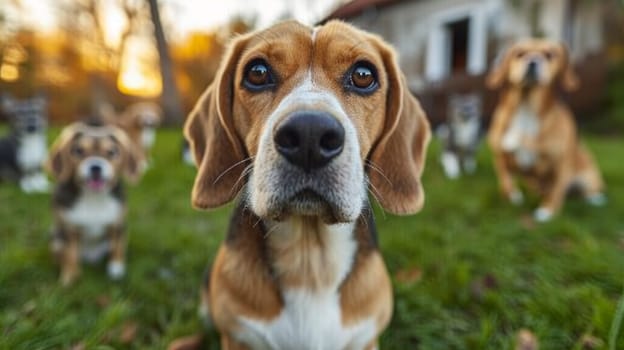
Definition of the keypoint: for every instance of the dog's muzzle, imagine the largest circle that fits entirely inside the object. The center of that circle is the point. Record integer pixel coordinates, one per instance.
(95, 173)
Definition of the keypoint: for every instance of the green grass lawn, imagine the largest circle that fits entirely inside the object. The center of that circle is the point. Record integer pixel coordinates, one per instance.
(469, 271)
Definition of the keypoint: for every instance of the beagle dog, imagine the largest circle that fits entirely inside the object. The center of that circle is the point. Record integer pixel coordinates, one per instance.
(139, 121)
(533, 135)
(303, 122)
(88, 162)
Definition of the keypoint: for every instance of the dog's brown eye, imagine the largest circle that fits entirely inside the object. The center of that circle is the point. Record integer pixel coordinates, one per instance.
(77, 151)
(549, 55)
(258, 76)
(520, 54)
(362, 78)
(112, 153)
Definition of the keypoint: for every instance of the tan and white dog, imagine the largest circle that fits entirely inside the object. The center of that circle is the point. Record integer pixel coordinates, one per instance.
(88, 163)
(303, 122)
(139, 121)
(533, 133)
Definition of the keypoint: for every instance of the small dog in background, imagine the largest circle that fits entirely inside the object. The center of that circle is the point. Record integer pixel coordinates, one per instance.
(533, 134)
(460, 135)
(139, 121)
(24, 150)
(88, 162)
(186, 154)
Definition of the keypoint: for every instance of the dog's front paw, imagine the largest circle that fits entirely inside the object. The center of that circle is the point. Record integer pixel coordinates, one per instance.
(516, 197)
(597, 199)
(450, 164)
(542, 214)
(116, 270)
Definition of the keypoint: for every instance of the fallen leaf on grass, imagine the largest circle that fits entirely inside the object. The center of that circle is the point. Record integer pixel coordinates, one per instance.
(480, 286)
(589, 342)
(526, 340)
(527, 222)
(102, 300)
(408, 275)
(79, 346)
(128, 332)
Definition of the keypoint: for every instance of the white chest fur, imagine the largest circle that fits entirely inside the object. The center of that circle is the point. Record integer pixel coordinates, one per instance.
(32, 152)
(311, 317)
(93, 213)
(520, 134)
(148, 137)
(523, 126)
(309, 321)
(466, 133)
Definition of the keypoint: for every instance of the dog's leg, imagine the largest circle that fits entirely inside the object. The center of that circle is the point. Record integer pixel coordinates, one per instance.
(506, 181)
(469, 163)
(70, 258)
(589, 178)
(553, 200)
(39, 182)
(26, 183)
(450, 164)
(117, 262)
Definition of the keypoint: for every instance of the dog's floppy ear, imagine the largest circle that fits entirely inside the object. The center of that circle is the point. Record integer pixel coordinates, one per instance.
(498, 74)
(217, 150)
(133, 161)
(58, 158)
(569, 79)
(399, 155)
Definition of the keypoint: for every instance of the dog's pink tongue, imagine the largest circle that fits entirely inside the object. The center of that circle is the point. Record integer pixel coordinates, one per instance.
(95, 184)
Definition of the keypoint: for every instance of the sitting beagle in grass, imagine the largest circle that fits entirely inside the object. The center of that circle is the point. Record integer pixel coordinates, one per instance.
(533, 134)
(88, 162)
(303, 123)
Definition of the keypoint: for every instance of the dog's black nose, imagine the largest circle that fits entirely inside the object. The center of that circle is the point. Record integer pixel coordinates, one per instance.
(310, 139)
(96, 170)
(532, 68)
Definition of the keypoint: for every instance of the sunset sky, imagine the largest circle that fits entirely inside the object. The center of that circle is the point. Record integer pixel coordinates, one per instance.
(185, 16)
(139, 71)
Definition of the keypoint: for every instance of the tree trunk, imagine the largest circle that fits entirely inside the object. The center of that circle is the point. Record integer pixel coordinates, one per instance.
(170, 97)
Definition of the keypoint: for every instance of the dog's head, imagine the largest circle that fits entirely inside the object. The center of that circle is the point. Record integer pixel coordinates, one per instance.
(309, 119)
(27, 116)
(534, 62)
(141, 119)
(94, 157)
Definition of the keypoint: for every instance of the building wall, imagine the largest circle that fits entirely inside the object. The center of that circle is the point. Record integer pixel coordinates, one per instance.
(417, 30)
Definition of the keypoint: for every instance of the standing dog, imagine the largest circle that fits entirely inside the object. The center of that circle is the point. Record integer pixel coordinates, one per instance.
(533, 134)
(303, 122)
(24, 150)
(88, 162)
(460, 135)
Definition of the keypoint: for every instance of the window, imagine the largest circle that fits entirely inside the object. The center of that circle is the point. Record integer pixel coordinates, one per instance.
(458, 53)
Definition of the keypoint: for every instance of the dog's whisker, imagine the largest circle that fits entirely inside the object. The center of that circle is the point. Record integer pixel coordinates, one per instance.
(376, 196)
(230, 168)
(248, 169)
(257, 222)
(376, 168)
(271, 230)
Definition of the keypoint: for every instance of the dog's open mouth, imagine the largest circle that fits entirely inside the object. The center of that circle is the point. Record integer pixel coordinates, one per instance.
(96, 184)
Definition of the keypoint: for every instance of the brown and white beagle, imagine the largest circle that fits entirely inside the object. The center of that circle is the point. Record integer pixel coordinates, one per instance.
(88, 162)
(533, 134)
(139, 121)
(303, 123)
